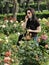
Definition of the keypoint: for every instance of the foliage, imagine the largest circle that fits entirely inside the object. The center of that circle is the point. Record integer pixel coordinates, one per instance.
(10, 26)
(21, 16)
(28, 52)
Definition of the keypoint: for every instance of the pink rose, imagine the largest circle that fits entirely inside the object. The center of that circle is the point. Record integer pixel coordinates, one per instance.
(44, 37)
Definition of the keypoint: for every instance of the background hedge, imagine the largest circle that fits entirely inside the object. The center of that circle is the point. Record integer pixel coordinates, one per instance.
(21, 16)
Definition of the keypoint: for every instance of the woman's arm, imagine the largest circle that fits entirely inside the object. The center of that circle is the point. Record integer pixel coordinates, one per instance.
(24, 23)
(38, 29)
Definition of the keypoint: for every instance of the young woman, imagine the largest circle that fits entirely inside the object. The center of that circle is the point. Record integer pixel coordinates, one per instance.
(31, 24)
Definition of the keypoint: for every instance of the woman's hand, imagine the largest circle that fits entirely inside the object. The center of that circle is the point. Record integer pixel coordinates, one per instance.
(26, 18)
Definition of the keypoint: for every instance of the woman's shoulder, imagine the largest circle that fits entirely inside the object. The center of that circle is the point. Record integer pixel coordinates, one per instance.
(37, 22)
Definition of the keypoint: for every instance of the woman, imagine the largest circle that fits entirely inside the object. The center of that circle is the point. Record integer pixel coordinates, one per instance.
(31, 24)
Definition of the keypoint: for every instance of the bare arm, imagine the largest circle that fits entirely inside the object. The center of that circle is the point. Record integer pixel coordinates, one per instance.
(38, 29)
(24, 23)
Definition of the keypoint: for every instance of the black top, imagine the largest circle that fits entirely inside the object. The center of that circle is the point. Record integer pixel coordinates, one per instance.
(32, 24)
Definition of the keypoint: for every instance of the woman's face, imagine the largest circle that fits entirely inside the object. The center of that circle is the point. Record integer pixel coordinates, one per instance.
(29, 13)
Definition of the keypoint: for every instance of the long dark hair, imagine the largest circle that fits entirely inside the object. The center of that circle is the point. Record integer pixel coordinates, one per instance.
(33, 13)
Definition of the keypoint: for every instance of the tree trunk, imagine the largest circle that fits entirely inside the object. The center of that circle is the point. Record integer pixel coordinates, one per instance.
(47, 4)
(38, 3)
(15, 10)
(27, 2)
(7, 8)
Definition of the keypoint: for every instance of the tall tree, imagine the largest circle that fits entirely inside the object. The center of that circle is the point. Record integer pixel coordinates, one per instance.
(47, 4)
(27, 2)
(7, 7)
(14, 8)
(38, 3)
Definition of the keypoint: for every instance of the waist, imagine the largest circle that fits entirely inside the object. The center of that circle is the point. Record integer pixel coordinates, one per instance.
(33, 34)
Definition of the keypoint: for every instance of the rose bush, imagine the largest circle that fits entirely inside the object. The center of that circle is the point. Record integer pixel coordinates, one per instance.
(27, 53)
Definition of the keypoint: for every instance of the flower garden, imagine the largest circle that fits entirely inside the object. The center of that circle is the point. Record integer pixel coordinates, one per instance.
(28, 53)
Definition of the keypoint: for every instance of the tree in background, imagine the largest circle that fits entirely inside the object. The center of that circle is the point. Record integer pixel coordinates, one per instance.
(7, 7)
(38, 3)
(14, 8)
(47, 4)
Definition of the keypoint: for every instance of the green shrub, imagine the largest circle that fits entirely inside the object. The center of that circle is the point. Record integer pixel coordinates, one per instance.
(28, 53)
(21, 16)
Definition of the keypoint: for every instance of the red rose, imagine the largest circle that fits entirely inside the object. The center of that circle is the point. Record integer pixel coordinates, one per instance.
(8, 53)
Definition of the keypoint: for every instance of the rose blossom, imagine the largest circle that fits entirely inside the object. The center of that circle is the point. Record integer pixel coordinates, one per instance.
(46, 46)
(6, 37)
(3, 26)
(0, 39)
(21, 21)
(44, 37)
(11, 21)
(14, 25)
(39, 19)
(8, 53)
(16, 21)
(7, 59)
(18, 33)
(6, 64)
(7, 40)
(6, 21)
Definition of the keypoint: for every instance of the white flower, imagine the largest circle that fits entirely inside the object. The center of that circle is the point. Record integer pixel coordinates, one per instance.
(14, 25)
(21, 42)
(0, 39)
(3, 26)
(6, 37)
(6, 64)
(22, 24)
(11, 21)
(7, 40)
(21, 21)
(6, 21)
(39, 19)
(18, 33)
(12, 60)
(44, 20)
(16, 21)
